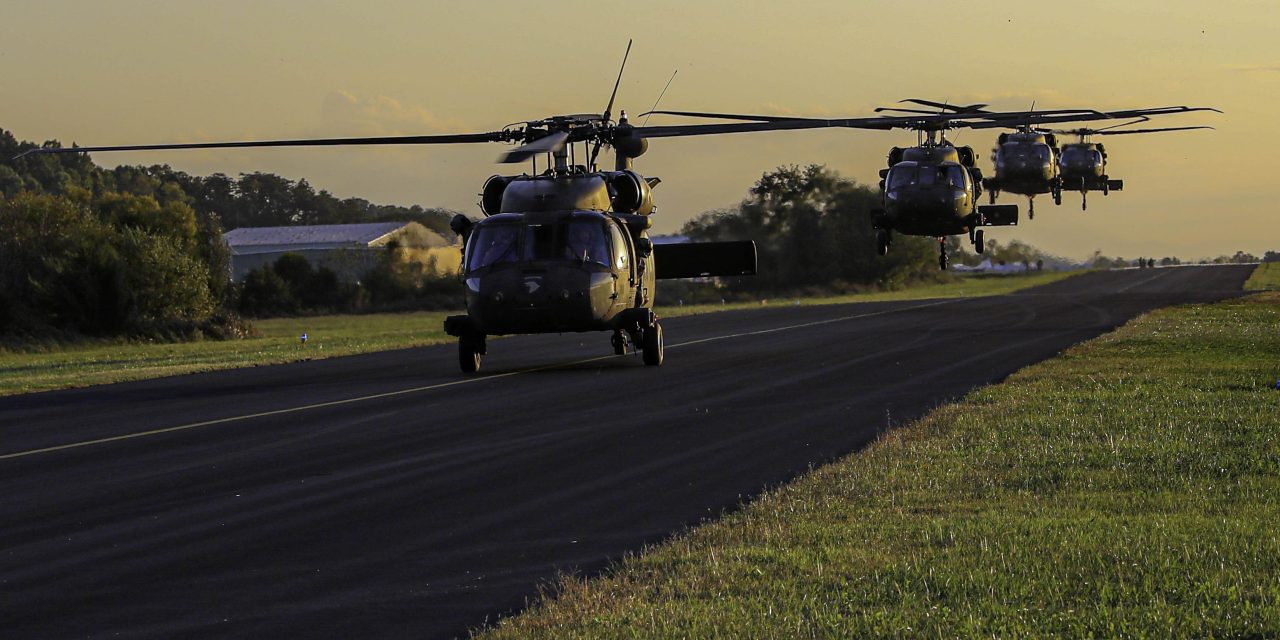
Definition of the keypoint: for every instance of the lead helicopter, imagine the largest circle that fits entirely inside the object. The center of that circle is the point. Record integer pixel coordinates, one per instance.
(933, 188)
(565, 249)
(1083, 164)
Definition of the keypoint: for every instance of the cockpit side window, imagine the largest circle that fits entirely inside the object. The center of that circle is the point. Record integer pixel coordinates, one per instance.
(493, 244)
(957, 176)
(621, 257)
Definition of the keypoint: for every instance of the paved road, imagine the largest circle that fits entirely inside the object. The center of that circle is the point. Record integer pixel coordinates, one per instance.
(387, 495)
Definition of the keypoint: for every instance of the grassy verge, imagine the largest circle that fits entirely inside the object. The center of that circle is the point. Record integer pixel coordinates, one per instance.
(967, 287)
(329, 336)
(1265, 277)
(1129, 488)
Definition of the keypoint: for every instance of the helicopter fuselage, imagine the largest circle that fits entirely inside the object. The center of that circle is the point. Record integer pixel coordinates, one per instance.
(554, 271)
(929, 198)
(1025, 164)
(1083, 166)
(932, 190)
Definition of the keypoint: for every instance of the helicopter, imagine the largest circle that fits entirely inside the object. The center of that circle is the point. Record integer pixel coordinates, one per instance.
(1083, 164)
(1027, 160)
(565, 249)
(933, 188)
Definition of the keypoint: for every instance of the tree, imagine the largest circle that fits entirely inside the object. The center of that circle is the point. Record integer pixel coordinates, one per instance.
(812, 227)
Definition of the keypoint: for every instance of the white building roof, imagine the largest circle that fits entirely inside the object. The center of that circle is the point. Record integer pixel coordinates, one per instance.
(322, 234)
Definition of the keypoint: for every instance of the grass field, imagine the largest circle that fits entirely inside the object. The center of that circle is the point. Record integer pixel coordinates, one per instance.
(329, 336)
(1129, 488)
(1265, 277)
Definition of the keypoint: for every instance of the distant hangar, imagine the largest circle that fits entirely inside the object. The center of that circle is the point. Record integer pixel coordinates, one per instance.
(349, 250)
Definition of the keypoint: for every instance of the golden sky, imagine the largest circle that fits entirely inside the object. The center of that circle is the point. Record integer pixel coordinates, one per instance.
(149, 72)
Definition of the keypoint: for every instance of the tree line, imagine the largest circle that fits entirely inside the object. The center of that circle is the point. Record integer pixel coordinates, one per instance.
(89, 251)
(251, 200)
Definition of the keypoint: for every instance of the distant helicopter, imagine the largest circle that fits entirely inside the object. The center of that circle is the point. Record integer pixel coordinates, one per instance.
(567, 249)
(1027, 159)
(933, 188)
(1083, 164)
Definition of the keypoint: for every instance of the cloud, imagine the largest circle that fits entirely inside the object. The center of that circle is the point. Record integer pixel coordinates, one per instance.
(380, 115)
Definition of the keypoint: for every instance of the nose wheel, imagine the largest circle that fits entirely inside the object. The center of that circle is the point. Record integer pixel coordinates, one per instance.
(942, 254)
(976, 238)
(652, 344)
(1031, 208)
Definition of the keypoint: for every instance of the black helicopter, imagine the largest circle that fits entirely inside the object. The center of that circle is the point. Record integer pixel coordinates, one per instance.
(1083, 164)
(1027, 160)
(565, 249)
(933, 188)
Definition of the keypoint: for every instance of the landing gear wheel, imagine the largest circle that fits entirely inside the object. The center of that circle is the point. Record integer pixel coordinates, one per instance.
(978, 244)
(882, 241)
(942, 254)
(1106, 186)
(653, 345)
(991, 196)
(469, 351)
(1031, 208)
(1084, 201)
(619, 342)
(1057, 195)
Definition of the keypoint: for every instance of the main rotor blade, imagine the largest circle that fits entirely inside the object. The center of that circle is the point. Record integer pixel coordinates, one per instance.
(971, 108)
(493, 136)
(902, 110)
(546, 144)
(1158, 111)
(1128, 131)
(935, 120)
(608, 110)
(673, 131)
(725, 116)
(1125, 124)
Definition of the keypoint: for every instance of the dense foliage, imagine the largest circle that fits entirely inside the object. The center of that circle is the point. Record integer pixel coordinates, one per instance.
(291, 286)
(138, 250)
(812, 228)
(252, 200)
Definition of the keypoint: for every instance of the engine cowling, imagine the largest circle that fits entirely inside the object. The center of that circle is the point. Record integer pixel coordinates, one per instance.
(630, 193)
(491, 194)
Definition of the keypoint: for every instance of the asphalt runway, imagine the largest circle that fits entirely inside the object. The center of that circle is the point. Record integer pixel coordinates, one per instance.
(388, 495)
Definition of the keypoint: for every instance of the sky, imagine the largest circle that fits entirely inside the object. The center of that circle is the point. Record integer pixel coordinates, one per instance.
(133, 72)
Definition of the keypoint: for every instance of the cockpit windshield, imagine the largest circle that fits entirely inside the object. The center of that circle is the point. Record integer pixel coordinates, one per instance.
(493, 244)
(1026, 152)
(928, 175)
(580, 240)
(1081, 156)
